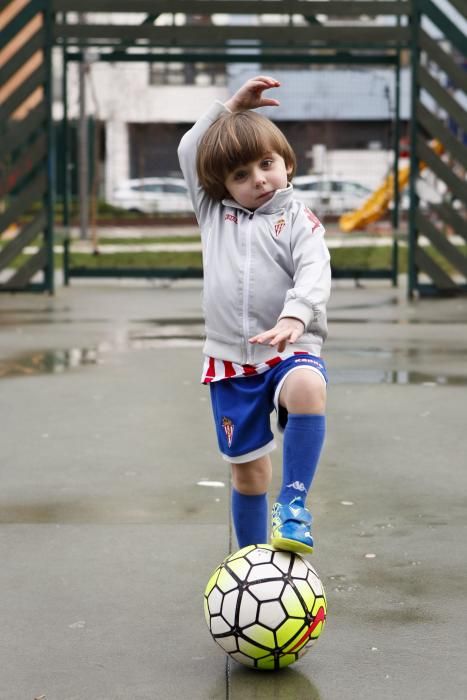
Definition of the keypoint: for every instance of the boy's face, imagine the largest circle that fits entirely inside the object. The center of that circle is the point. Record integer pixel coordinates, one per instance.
(253, 184)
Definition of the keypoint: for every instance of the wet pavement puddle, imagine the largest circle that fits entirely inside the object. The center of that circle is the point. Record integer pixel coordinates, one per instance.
(400, 377)
(61, 360)
(57, 361)
(47, 362)
(189, 333)
(85, 510)
(400, 321)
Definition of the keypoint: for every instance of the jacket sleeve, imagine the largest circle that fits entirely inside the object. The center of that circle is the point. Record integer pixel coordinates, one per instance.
(187, 151)
(307, 299)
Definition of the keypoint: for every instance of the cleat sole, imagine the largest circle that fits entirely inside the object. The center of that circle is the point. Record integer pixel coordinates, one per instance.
(291, 545)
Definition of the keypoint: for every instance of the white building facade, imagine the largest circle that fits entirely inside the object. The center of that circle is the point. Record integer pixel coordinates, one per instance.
(349, 111)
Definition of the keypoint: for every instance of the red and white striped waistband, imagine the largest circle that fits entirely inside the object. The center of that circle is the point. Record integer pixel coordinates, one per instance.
(216, 370)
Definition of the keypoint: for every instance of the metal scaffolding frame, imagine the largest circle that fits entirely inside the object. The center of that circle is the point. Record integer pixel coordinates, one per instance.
(320, 40)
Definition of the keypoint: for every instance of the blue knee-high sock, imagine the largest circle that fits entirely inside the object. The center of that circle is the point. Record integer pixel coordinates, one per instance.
(303, 440)
(250, 517)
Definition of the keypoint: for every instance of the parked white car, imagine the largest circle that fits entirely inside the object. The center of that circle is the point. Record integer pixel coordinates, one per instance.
(329, 196)
(167, 195)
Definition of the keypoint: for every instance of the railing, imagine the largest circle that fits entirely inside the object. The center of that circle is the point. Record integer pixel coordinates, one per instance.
(25, 152)
(438, 106)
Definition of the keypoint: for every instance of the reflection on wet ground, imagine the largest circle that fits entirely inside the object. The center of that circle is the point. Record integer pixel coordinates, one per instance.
(401, 321)
(132, 508)
(54, 317)
(382, 376)
(59, 361)
(83, 510)
(289, 684)
(156, 333)
(47, 362)
(61, 317)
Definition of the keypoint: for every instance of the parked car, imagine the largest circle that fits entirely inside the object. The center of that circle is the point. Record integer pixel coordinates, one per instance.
(167, 195)
(329, 196)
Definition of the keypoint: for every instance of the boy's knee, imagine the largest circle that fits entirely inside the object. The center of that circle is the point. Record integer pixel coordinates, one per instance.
(252, 478)
(304, 392)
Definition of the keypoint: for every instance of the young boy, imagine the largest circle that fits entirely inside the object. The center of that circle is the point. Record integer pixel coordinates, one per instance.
(266, 284)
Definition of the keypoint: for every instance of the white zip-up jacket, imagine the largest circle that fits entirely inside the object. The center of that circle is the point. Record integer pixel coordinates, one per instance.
(259, 266)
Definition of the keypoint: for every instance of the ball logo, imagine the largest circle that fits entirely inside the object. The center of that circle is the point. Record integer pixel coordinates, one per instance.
(228, 426)
(319, 617)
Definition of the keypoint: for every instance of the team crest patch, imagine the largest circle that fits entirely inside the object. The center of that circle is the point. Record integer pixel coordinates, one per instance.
(279, 227)
(228, 426)
(231, 217)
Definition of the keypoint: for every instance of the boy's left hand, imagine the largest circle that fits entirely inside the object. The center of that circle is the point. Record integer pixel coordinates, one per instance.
(286, 330)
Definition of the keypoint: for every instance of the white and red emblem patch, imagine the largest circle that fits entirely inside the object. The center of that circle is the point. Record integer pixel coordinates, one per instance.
(316, 223)
(228, 426)
(231, 217)
(279, 227)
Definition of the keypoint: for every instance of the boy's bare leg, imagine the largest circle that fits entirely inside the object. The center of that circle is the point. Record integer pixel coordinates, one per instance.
(252, 478)
(250, 511)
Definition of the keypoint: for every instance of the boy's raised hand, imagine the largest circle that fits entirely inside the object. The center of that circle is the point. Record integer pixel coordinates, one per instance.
(250, 95)
(286, 330)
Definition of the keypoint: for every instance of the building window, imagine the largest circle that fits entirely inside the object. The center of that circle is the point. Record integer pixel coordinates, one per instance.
(179, 73)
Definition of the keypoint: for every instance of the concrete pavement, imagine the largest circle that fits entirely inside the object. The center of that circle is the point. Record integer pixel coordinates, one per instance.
(109, 527)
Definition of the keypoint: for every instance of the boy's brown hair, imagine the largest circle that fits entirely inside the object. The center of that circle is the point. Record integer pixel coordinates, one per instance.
(236, 139)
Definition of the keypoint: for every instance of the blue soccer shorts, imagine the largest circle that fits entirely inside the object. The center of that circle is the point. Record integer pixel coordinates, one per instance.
(242, 407)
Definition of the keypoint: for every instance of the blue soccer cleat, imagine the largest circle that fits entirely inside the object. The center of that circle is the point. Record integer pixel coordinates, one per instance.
(291, 524)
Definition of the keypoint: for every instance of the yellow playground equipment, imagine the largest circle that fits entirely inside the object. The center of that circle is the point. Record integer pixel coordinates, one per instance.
(378, 203)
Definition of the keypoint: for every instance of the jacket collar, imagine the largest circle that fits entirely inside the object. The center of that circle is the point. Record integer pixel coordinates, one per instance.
(279, 200)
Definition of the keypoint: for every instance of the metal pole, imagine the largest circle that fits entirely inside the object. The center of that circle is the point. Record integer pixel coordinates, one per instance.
(415, 58)
(83, 146)
(66, 262)
(395, 211)
(49, 196)
(65, 155)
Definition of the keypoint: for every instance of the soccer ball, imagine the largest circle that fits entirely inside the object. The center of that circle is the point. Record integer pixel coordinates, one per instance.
(264, 607)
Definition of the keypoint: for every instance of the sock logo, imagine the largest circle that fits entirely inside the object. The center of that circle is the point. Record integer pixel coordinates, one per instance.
(297, 485)
(228, 426)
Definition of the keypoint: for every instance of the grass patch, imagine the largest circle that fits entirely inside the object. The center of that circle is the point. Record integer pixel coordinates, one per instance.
(143, 260)
(104, 212)
(102, 242)
(149, 241)
(120, 260)
(364, 258)
(368, 258)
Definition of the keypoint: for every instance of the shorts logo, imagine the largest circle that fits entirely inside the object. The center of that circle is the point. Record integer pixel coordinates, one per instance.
(308, 361)
(279, 227)
(228, 426)
(231, 217)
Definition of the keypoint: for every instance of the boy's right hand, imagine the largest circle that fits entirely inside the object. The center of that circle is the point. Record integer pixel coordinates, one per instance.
(250, 95)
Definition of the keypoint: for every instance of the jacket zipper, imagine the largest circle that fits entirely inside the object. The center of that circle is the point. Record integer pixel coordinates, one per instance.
(246, 288)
